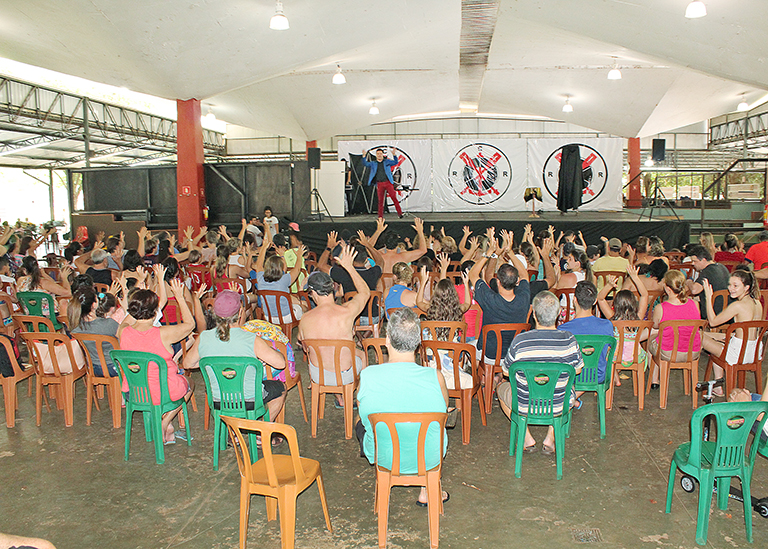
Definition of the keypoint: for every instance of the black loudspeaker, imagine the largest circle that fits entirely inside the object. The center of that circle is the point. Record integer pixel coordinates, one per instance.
(659, 147)
(313, 157)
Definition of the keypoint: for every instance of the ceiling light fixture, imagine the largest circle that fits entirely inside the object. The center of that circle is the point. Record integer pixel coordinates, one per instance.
(210, 117)
(614, 73)
(339, 77)
(743, 106)
(279, 21)
(695, 10)
(374, 109)
(567, 107)
(649, 162)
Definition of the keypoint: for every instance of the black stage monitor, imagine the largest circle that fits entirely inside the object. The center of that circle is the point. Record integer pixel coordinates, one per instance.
(313, 157)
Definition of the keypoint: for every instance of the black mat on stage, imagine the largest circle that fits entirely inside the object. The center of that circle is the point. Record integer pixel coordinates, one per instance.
(593, 225)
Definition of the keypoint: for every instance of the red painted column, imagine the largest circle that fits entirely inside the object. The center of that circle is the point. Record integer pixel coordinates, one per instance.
(190, 183)
(634, 196)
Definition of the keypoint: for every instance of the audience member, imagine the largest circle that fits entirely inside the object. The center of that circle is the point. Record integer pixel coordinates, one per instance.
(715, 274)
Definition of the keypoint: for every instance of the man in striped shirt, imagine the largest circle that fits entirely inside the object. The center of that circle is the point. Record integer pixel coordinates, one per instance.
(544, 344)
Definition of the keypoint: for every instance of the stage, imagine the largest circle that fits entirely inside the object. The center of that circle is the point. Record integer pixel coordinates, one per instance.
(592, 224)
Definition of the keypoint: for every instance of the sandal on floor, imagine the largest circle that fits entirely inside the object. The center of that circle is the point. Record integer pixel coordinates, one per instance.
(341, 407)
(547, 450)
(453, 416)
(445, 500)
(529, 449)
(182, 436)
(578, 404)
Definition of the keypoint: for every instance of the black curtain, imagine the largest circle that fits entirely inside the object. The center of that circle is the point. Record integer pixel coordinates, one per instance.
(571, 179)
(361, 196)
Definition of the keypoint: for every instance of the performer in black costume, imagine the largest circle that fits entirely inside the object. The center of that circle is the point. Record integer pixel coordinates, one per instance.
(571, 179)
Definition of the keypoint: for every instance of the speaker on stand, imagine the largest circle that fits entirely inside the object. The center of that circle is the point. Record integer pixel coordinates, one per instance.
(659, 150)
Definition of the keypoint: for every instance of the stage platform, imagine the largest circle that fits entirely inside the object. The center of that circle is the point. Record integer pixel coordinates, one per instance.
(593, 225)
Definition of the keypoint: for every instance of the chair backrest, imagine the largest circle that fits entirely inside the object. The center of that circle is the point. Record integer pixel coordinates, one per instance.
(340, 348)
(734, 422)
(720, 299)
(99, 341)
(275, 472)
(752, 331)
(374, 308)
(276, 306)
(542, 379)
(100, 288)
(8, 287)
(686, 268)
(50, 340)
(378, 344)
(236, 284)
(35, 303)
(730, 264)
(602, 277)
(680, 328)
(676, 257)
(404, 425)
(303, 296)
(533, 274)
(568, 311)
(500, 332)
(9, 350)
(461, 355)
(133, 367)
(592, 348)
(633, 328)
(233, 385)
(386, 281)
(439, 330)
(28, 323)
(199, 275)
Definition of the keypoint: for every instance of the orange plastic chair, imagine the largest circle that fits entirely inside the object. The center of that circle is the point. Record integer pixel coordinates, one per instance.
(735, 374)
(569, 303)
(730, 264)
(320, 388)
(386, 281)
(290, 383)
(460, 353)
(63, 385)
(276, 313)
(29, 323)
(100, 288)
(106, 380)
(682, 359)
(387, 478)
(9, 384)
(279, 478)
(488, 370)
(602, 276)
(675, 257)
(456, 327)
(720, 297)
(379, 347)
(637, 367)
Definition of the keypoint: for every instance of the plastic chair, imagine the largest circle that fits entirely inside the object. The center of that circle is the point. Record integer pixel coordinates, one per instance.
(231, 375)
(275, 312)
(93, 381)
(320, 388)
(290, 383)
(133, 367)
(63, 384)
(592, 348)
(387, 477)
(379, 347)
(27, 323)
(637, 367)
(32, 305)
(675, 257)
(236, 284)
(721, 298)
(533, 274)
(460, 353)
(9, 384)
(735, 374)
(488, 370)
(602, 276)
(730, 264)
(456, 330)
(542, 378)
(279, 478)
(100, 288)
(722, 459)
(568, 308)
(373, 315)
(682, 359)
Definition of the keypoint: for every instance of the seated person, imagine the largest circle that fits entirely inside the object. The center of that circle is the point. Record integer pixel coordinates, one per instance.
(229, 339)
(270, 274)
(401, 386)
(83, 319)
(544, 344)
(400, 294)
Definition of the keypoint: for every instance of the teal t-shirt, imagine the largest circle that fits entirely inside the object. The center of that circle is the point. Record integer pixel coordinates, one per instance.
(240, 344)
(401, 387)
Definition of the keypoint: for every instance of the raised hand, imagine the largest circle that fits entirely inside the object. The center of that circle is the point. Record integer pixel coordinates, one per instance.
(172, 240)
(444, 261)
(361, 237)
(380, 225)
(114, 288)
(613, 281)
(707, 288)
(347, 258)
(333, 240)
(159, 272)
(551, 230)
(177, 287)
(65, 271)
(418, 224)
(302, 251)
(201, 290)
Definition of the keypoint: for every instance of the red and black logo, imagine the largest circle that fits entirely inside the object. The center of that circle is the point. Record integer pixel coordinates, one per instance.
(480, 173)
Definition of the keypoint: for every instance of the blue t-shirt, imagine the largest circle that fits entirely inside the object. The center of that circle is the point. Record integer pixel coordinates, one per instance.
(591, 325)
(401, 387)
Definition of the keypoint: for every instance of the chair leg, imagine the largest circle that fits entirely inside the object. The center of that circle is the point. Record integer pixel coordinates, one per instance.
(723, 490)
(207, 412)
(9, 394)
(434, 508)
(301, 397)
(638, 382)
(601, 411)
(128, 423)
(89, 398)
(186, 423)
(157, 434)
(245, 503)
(664, 382)
(759, 377)
(315, 402)
(746, 491)
(349, 404)
(323, 500)
(481, 404)
(694, 381)
(488, 387)
(609, 393)
(113, 393)
(68, 396)
(383, 508)
(271, 508)
(706, 484)
(670, 486)
(39, 400)
(287, 502)
(521, 428)
(466, 416)
(559, 448)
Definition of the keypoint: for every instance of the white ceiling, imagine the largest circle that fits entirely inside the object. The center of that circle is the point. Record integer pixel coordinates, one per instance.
(406, 55)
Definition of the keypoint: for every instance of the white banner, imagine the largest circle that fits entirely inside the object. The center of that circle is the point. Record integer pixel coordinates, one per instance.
(601, 163)
(412, 175)
(478, 176)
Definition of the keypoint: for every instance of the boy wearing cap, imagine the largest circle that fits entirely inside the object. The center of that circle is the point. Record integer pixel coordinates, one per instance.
(229, 339)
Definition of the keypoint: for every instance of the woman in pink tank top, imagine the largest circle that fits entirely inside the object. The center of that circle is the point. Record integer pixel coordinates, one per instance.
(678, 306)
(138, 333)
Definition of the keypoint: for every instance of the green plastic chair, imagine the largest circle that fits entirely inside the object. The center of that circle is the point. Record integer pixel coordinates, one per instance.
(542, 378)
(32, 304)
(722, 459)
(132, 367)
(226, 380)
(592, 347)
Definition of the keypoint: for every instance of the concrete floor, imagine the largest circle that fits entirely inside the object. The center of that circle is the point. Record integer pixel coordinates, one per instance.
(72, 486)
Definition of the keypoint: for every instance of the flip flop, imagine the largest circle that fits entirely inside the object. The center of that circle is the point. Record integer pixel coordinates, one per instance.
(578, 405)
(445, 500)
(547, 450)
(340, 407)
(167, 442)
(182, 435)
(529, 449)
